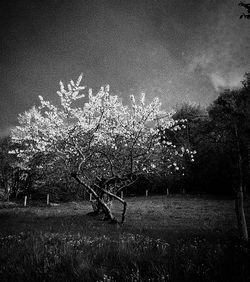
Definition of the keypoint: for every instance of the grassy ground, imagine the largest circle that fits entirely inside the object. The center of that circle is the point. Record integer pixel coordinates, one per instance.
(177, 238)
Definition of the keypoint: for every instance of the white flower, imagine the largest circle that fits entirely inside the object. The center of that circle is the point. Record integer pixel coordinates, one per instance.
(132, 98)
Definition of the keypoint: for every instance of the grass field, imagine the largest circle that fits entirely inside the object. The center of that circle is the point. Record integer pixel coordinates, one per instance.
(176, 238)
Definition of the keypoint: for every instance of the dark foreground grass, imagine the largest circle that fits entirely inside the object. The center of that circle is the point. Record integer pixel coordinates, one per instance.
(164, 239)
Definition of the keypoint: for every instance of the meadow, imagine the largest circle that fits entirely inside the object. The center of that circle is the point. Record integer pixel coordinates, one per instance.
(174, 238)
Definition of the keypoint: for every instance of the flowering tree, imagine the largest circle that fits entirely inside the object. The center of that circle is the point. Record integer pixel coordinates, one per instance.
(104, 144)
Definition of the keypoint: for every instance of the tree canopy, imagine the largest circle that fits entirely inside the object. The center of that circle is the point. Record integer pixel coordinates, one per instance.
(105, 145)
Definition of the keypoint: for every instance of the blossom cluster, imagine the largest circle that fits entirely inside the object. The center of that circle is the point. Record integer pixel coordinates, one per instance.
(101, 137)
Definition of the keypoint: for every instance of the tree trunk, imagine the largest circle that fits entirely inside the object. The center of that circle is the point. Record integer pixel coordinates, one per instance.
(105, 207)
(118, 199)
(98, 207)
(108, 201)
(248, 169)
(239, 201)
(241, 220)
(100, 202)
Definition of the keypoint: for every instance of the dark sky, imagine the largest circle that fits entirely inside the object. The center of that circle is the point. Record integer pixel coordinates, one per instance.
(178, 50)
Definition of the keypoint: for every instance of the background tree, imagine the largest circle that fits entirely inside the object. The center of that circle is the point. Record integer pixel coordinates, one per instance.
(5, 168)
(230, 114)
(12, 178)
(190, 138)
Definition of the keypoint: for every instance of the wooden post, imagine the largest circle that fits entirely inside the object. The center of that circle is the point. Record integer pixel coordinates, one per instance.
(47, 199)
(146, 193)
(90, 196)
(25, 201)
(167, 192)
(122, 194)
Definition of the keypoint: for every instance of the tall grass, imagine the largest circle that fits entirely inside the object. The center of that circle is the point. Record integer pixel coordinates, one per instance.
(46, 256)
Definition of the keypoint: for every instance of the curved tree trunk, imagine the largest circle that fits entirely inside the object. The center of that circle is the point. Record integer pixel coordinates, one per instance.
(118, 199)
(98, 207)
(101, 205)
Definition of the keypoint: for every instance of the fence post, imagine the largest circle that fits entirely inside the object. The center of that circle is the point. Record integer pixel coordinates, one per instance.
(25, 201)
(90, 196)
(47, 199)
(167, 192)
(146, 193)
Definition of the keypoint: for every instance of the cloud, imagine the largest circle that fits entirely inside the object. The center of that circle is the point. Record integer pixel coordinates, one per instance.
(220, 74)
(221, 82)
(221, 53)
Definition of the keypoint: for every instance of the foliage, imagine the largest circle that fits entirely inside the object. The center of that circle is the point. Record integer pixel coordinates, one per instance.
(114, 146)
(115, 137)
(191, 138)
(5, 169)
(211, 133)
(230, 116)
(12, 179)
(246, 6)
(109, 145)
